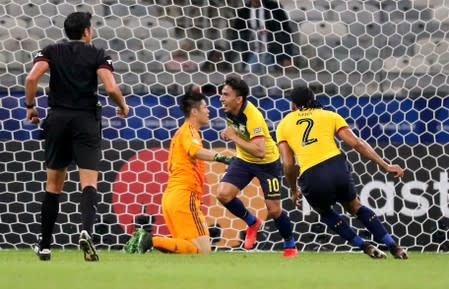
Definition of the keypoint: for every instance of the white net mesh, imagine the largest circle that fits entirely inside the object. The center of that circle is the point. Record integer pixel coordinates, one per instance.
(381, 64)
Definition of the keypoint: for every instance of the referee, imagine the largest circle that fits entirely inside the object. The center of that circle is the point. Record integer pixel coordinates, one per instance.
(72, 128)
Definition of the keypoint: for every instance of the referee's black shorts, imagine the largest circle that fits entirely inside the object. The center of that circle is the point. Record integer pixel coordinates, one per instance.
(328, 182)
(72, 135)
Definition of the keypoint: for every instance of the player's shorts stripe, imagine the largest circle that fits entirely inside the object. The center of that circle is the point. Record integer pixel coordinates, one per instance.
(273, 195)
(196, 217)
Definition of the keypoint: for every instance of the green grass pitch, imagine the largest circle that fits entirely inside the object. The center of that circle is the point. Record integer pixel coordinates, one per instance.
(20, 269)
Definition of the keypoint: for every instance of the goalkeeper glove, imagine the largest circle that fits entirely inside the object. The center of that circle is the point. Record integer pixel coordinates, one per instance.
(223, 159)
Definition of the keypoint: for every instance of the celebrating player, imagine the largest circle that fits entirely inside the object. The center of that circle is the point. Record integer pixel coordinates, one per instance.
(181, 200)
(257, 156)
(307, 133)
(72, 127)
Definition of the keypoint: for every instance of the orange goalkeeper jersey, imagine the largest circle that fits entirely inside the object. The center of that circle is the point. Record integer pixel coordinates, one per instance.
(185, 172)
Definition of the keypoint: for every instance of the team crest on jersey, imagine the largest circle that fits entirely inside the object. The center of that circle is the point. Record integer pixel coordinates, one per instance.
(242, 129)
(257, 130)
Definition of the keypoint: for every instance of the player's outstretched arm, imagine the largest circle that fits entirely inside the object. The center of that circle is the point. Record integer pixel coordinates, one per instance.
(210, 155)
(364, 148)
(113, 91)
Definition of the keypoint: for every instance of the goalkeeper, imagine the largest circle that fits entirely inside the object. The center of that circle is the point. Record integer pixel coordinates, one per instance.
(307, 133)
(181, 199)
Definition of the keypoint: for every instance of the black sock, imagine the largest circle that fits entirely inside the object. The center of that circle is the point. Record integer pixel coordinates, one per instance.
(284, 226)
(49, 213)
(373, 224)
(88, 208)
(236, 207)
(338, 225)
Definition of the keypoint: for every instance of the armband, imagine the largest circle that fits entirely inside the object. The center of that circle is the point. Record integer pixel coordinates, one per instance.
(223, 159)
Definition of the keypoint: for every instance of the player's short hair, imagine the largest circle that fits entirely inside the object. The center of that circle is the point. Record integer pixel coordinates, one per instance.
(191, 100)
(75, 24)
(239, 85)
(303, 97)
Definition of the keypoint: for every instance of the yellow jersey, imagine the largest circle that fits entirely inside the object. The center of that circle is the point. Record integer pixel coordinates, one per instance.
(185, 172)
(310, 134)
(248, 124)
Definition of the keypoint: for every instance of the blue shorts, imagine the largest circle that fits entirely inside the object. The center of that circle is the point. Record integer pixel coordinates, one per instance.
(327, 183)
(240, 173)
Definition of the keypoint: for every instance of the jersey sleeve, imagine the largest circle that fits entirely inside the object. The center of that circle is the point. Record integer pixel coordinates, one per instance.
(255, 125)
(191, 142)
(280, 132)
(340, 122)
(104, 61)
(42, 55)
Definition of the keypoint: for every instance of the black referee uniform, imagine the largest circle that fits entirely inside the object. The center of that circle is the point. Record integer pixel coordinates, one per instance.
(72, 128)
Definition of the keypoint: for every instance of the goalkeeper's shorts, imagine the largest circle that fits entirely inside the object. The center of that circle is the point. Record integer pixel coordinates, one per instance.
(183, 215)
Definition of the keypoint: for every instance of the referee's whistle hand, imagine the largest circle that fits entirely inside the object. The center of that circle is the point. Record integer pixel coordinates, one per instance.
(123, 112)
(32, 116)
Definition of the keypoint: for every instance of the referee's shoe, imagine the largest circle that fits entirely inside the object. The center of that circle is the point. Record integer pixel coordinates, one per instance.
(88, 248)
(43, 254)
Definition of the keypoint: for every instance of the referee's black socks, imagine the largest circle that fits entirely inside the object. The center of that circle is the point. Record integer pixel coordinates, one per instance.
(88, 208)
(49, 213)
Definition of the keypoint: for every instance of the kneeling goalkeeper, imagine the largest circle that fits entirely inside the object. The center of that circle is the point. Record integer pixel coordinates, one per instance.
(181, 200)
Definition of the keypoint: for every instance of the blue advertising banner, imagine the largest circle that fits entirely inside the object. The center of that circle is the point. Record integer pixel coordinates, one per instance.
(379, 119)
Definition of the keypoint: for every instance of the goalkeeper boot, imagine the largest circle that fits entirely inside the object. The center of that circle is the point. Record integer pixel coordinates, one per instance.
(144, 242)
(88, 248)
(290, 252)
(131, 244)
(43, 254)
(251, 234)
(374, 252)
(399, 253)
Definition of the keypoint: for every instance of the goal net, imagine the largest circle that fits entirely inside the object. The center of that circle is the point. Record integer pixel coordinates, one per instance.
(383, 65)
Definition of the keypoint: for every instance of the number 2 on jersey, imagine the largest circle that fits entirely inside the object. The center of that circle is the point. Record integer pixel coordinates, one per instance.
(305, 137)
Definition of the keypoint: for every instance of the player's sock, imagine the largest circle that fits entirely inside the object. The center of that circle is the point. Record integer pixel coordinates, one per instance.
(285, 229)
(49, 213)
(179, 246)
(388, 240)
(289, 243)
(236, 207)
(336, 223)
(373, 224)
(88, 206)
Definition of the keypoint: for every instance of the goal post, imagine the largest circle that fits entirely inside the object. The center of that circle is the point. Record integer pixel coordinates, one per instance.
(382, 65)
